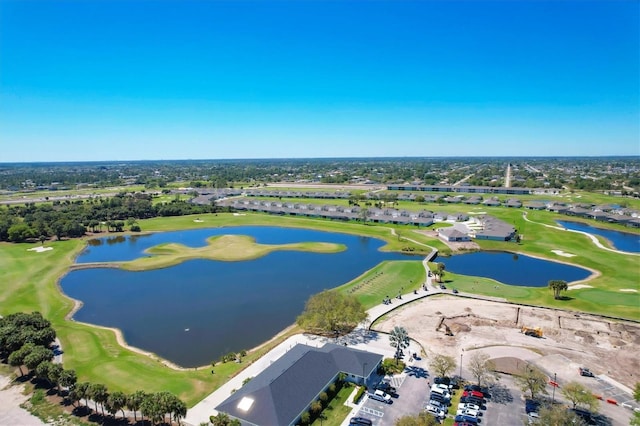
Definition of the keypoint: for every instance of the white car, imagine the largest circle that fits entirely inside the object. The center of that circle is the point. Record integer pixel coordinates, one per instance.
(381, 396)
(435, 411)
(442, 392)
(441, 386)
(467, 412)
(437, 404)
(469, 406)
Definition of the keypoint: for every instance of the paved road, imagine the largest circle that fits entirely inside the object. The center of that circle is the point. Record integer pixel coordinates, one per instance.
(10, 412)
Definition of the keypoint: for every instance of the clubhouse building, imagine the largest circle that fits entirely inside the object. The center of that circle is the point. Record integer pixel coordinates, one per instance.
(287, 388)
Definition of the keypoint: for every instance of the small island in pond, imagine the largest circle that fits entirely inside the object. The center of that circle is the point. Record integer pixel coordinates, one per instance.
(229, 248)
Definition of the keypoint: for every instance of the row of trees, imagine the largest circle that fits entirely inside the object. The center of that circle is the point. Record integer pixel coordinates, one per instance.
(71, 219)
(158, 407)
(25, 341)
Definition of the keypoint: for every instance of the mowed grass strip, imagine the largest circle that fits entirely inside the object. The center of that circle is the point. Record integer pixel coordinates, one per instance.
(384, 280)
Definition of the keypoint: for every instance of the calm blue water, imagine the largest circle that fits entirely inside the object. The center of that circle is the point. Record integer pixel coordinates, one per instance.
(509, 268)
(230, 306)
(227, 306)
(624, 241)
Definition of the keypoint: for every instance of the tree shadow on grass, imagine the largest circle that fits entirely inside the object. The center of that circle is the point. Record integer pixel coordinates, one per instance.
(565, 298)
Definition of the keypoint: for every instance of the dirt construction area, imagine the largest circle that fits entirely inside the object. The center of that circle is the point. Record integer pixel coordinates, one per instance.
(452, 325)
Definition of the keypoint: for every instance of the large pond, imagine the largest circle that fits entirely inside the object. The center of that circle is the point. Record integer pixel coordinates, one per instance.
(624, 241)
(194, 312)
(515, 269)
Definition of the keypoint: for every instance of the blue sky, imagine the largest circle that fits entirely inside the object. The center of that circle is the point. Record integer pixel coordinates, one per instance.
(147, 79)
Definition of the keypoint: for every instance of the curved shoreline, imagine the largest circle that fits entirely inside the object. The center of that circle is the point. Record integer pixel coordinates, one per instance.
(77, 304)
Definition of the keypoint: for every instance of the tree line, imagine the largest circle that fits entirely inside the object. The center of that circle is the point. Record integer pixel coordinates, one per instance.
(71, 219)
(26, 340)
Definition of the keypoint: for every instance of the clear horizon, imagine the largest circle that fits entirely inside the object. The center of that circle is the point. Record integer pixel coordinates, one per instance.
(190, 80)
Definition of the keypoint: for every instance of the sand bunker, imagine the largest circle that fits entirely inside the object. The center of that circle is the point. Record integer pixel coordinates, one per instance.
(476, 212)
(631, 290)
(562, 253)
(577, 286)
(198, 220)
(239, 214)
(40, 249)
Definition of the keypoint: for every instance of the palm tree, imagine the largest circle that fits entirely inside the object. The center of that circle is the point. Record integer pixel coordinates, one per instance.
(67, 378)
(81, 390)
(179, 410)
(116, 402)
(398, 339)
(134, 401)
(222, 419)
(54, 373)
(557, 286)
(99, 394)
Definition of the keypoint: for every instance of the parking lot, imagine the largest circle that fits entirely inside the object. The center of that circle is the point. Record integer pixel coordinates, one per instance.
(412, 389)
(505, 406)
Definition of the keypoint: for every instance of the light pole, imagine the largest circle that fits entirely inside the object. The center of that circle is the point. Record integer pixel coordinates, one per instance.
(461, 364)
(555, 384)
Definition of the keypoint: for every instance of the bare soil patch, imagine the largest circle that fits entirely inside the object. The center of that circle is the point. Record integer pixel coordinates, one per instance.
(454, 325)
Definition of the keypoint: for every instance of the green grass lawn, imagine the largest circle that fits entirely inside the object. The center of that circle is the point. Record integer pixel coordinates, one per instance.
(30, 283)
(336, 411)
(384, 280)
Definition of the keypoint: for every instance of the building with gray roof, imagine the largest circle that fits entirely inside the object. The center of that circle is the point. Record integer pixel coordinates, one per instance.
(285, 390)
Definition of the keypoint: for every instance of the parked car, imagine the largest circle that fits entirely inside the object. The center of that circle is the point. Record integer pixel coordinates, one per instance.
(437, 404)
(473, 393)
(441, 380)
(585, 372)
(360, 421)
(455, 291)
(441, 393)
(443, 287)
(483, 389)
(468, 412)
(585, 415)
(532, 417)
(455, 382)
(435, 411)
(466, 419)
(531, 406)
(472, 400)
(381, 396)
(442, 386)
(463, 424)
(441, 399)
(469, 406)
(386, 387)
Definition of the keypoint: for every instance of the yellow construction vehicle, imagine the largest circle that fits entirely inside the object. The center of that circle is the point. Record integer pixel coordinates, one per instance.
(534, 332)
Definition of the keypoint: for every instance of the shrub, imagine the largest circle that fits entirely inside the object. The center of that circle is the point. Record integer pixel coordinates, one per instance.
(359, 394)
(391, 366)
(135, 228)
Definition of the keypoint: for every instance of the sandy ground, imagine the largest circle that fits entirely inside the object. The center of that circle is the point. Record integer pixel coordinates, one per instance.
(10, 412)
(606, 347)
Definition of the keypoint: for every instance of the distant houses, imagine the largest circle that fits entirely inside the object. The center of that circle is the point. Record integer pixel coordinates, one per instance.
(453, 235)
(470, 189)
(239, 199)
(373, 214)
